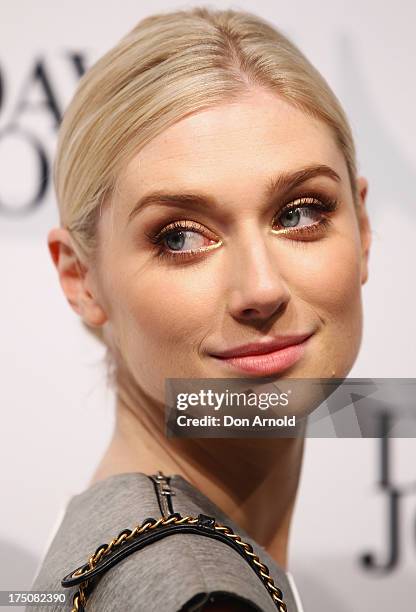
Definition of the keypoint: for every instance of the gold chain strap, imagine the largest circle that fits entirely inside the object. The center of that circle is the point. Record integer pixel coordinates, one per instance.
(80, 596)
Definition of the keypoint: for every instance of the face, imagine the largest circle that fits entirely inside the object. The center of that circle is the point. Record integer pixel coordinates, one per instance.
(234, 226)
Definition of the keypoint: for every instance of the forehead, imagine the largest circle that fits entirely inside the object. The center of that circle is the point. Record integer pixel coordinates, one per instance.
(235, 145)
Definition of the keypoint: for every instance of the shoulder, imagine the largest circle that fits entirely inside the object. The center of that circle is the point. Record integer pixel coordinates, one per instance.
(176, 570)
(173, 574)
(182, 572)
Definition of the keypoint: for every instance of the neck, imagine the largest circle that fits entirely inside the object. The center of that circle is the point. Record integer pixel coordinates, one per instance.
(253, 481)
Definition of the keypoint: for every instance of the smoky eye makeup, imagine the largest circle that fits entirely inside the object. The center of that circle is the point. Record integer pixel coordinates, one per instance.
(303, 218)
(171, 238)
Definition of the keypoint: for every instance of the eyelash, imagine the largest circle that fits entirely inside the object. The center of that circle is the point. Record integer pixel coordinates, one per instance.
(312, 201)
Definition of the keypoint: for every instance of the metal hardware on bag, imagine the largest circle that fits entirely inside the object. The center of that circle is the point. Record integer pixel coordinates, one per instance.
(164, 493)
(206, 525)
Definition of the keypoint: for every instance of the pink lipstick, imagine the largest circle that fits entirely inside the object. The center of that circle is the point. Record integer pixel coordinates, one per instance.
(270, 356)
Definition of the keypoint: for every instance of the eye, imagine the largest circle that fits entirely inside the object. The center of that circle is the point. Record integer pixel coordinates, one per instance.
(179, 240)
(182, 239)
(304, 214)
(299, 216)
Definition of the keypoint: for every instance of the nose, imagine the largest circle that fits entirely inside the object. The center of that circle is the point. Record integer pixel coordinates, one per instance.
(258, 290)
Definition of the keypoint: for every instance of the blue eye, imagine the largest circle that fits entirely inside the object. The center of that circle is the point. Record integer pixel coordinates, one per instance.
(177, 239)
(306, 213)
(183, 239)
(290, 218)
(297, 217)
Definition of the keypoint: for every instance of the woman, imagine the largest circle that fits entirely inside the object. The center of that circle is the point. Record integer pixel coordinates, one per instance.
(212, 226)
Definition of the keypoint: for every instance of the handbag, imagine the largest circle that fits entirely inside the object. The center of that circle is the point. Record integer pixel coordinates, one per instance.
(151, 530)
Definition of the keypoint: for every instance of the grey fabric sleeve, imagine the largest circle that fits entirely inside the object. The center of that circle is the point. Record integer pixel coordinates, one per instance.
(164, 576)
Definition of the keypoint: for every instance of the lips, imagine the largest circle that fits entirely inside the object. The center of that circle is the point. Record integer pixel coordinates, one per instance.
(263, 347)
(267, 357)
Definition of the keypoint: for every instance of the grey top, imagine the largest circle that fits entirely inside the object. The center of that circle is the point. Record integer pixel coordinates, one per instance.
(165, 575)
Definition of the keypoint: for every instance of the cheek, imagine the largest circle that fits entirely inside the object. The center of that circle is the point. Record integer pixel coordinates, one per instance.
(328, 284)
(327, 273)
(332, 279)
(167, 312)
(160, 318)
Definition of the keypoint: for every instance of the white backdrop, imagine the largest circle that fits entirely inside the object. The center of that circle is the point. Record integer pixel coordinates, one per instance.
(52, 389)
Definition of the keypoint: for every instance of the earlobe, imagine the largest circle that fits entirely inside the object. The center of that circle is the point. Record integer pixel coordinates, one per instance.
(91, 310)
(74, 278)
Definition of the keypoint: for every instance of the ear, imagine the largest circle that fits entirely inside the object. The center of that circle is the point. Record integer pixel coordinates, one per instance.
(75, 278)
(364, 227)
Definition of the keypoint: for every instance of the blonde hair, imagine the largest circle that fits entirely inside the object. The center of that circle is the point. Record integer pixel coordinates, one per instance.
(168, 66)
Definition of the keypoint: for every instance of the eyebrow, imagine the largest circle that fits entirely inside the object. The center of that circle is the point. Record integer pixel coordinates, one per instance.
(284, 182)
